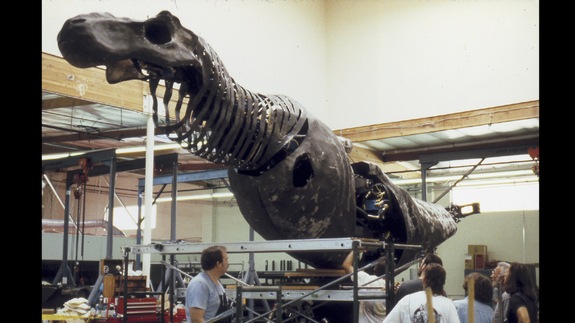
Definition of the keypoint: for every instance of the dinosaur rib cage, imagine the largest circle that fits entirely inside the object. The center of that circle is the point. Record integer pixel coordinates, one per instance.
(227, 124)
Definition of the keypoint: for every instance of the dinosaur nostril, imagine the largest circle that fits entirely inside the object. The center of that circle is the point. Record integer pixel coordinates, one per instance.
(157, 32)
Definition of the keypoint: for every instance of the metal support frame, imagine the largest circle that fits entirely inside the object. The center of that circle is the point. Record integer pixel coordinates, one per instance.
(105, 156)
(109, 165)
(172, 179)
(281, 295)
(172, 276)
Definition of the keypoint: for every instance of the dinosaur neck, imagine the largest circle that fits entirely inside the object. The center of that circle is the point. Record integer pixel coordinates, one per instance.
(228, 124)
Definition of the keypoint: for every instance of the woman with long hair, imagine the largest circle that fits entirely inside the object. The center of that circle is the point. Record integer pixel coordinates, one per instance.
(519, 283)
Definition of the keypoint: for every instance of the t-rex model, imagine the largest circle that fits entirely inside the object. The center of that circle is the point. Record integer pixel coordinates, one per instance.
(289, 173)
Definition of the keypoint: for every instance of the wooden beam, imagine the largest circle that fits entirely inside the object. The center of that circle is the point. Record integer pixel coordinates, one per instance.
(63, 102)
(89, 84)
(480, 117)
(364, 154)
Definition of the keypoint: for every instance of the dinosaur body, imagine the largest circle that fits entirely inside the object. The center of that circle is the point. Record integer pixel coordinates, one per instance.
(289, 173)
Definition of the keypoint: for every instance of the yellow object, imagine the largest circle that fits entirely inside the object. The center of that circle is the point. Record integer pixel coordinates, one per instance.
(60, 317)
(430, 313)
(470, 300)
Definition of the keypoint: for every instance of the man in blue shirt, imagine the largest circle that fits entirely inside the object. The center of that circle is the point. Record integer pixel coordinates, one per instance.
(482, 295)
(205, 294)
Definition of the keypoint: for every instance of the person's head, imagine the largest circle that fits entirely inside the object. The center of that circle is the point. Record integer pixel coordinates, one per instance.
(215, 257)
(518, 279)
(380, 267)
(429, 258)
(434, 276)
(498, 272)
(482, 287)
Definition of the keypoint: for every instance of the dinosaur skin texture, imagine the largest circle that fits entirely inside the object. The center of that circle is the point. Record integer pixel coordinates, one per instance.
(289, 173)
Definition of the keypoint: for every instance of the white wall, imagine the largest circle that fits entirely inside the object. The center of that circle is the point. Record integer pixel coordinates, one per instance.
(397, 60)
(509, 236)
(94, 247)
(355, 63)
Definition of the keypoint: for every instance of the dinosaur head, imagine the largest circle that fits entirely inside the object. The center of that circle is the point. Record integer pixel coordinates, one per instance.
(131, 49)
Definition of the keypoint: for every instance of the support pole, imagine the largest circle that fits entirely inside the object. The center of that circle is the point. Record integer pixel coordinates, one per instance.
(171, 272)
(138, 264)
(389, 276)
(355, 251)
(110, 236)
(64, 271)
(424, 167)
(149, 173)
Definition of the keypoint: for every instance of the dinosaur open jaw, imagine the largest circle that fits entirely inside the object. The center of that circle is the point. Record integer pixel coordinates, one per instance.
(134, 69)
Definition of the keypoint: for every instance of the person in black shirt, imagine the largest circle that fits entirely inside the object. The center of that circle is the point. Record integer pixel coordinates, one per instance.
(523, 300)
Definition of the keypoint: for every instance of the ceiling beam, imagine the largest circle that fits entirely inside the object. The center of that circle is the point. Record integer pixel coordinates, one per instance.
(364, 154)
(110, 134)
(507, 147)
(89, 84)
(63, 102)
(472, 118)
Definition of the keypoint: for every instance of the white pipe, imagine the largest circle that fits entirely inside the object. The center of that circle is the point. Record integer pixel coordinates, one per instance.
(148, 185)
(54, 190)
(524, 234)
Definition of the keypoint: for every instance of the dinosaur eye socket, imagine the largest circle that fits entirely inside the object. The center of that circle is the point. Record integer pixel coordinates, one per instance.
(157, 32)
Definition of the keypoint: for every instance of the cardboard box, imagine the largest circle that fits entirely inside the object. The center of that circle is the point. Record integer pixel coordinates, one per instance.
(477, 249)
(469, 264)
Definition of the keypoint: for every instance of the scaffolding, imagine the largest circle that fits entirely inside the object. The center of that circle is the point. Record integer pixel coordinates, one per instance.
(284, 296)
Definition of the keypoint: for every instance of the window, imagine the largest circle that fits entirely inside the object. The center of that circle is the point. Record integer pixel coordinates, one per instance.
(493, 198)
(125, 218)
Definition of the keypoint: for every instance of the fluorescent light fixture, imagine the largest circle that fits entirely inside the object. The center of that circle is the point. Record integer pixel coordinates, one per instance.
(196, 197)
(500, 182)
(58, 156)
(119, 151)
(140, 149)
(469, 177)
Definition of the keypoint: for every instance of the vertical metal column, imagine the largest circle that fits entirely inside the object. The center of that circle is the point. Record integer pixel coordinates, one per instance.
(138, 262)
(279, 309)
(64, 271)
(171, 272)
(125, 289)
(174, 200)
(239, 304)
(110, 236)
(424, 167)
(389, 276)
(355, 251)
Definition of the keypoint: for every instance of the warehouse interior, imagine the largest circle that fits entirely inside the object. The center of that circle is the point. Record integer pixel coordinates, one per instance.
(442, 96)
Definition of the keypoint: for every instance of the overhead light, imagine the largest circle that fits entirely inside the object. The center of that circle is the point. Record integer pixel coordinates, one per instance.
(58, 156)
(196, 197)
(438, 179)
(140, 149)
(119, 151)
